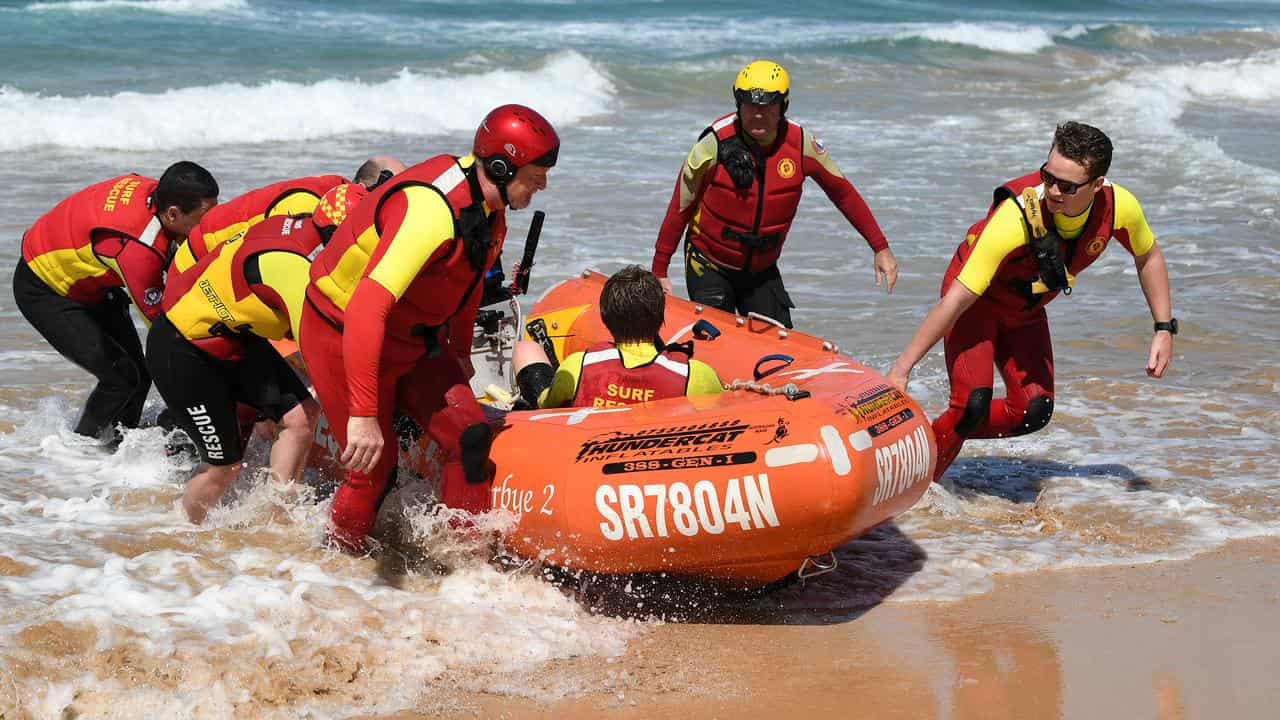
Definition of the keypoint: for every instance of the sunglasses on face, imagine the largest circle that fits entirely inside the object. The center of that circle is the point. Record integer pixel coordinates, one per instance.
(1065, 187)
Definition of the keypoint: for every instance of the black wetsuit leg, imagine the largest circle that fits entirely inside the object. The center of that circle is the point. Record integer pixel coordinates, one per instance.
(100, 339)
(708, 284)
(764, 293)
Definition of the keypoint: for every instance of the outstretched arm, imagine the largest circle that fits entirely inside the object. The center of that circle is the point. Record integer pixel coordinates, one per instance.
(823, 169)
(936, 324)
(1153, 275)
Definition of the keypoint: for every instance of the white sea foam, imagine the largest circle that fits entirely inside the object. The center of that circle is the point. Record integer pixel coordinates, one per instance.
(567, 87)
(997, 37)
(172, 7)
(108, 554)
(1161, 95)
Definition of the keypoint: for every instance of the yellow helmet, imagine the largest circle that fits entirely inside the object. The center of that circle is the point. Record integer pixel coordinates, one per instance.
(762, 82)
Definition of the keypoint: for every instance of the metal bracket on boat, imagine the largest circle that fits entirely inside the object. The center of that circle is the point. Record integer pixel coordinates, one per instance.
(816, 565)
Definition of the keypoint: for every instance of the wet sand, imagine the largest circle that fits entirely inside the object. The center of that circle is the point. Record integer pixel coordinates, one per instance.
(1172, 640)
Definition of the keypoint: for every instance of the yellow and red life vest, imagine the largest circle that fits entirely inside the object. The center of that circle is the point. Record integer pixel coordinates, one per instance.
(233, 218)
(441, 288)
(762, 212)
(606, 382)
(214, 301)
(58, 247)
(1011, 284)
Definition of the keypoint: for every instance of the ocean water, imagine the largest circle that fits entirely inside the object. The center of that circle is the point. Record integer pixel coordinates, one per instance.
(112, 606)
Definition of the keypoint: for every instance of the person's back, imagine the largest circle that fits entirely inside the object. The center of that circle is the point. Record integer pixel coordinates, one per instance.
(631, 369)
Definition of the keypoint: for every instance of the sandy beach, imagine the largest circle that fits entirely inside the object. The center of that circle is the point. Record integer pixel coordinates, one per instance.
(1169, 640)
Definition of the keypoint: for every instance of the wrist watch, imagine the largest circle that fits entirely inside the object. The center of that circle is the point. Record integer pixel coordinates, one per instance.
(1171, 326)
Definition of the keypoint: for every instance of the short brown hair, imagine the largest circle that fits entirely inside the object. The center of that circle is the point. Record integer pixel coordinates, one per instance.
(1084, 144)
(632, 305)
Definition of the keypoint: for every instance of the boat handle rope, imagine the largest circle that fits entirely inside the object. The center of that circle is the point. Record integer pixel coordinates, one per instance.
(791, 391)
(778, 357)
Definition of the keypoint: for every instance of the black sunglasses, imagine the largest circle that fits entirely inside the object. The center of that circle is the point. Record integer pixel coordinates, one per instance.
(1065, 187)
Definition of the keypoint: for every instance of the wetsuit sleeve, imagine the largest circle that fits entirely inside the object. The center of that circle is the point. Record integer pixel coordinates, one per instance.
(817, 164)
(1131, 227)
(1004, 233)
(417, 223)
(703, 379)
(140, 267)
(283, 287)
(565, 383)
(693, 176)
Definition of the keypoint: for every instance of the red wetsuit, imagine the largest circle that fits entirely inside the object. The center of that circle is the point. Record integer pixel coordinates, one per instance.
(394, 281)
(1007, 327)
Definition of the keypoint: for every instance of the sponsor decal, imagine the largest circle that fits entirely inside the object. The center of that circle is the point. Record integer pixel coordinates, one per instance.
(152, 295)
(669, 510)
(786, 168)
(679, 463)
(521, 501)
(883, 426)
(120, 193)
(901, 465)
(677, 440)
(872, 404)
(219, 307)
(779, 432)
(1096, 246)
(207, 432)
(818, 147)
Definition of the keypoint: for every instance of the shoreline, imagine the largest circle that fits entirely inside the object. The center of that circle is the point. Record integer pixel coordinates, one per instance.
(1167, 640)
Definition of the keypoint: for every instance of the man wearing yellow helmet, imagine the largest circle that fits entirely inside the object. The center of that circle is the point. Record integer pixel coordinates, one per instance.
(737, 195)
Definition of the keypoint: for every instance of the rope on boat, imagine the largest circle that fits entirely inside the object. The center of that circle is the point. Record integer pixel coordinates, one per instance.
(790, 390)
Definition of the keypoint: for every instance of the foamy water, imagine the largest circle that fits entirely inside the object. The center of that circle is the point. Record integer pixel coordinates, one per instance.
(113, 606)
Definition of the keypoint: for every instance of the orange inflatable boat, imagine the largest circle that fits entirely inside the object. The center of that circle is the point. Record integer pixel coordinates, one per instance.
(811, 450)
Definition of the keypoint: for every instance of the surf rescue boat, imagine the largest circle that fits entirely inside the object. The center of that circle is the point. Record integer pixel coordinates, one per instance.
(746, 488)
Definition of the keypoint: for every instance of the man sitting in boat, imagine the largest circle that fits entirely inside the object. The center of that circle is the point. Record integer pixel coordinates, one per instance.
(634, 368)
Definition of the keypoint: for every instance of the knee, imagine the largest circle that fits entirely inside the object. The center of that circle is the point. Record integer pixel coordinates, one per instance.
(474, 442)
(976, 410)
(1038, 413)
(304, 417)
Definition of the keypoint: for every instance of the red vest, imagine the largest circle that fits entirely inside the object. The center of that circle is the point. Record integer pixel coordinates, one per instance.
(1010, 287)
(441, 289)
(606, 382)
(765, 209)
(59, 249)
(213, 302)
(233, 217)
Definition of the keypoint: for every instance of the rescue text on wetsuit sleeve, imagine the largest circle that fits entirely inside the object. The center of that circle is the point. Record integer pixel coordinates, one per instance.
(819, 166)
(693, 175)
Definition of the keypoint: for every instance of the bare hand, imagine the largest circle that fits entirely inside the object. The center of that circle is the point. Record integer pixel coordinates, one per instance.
(899, 378)
(665, 282)
(886, 268)
(364, 444)
(1161, 354)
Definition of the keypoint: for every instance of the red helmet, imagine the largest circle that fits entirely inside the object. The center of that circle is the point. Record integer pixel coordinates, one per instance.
(337, 204)
(512, 136)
